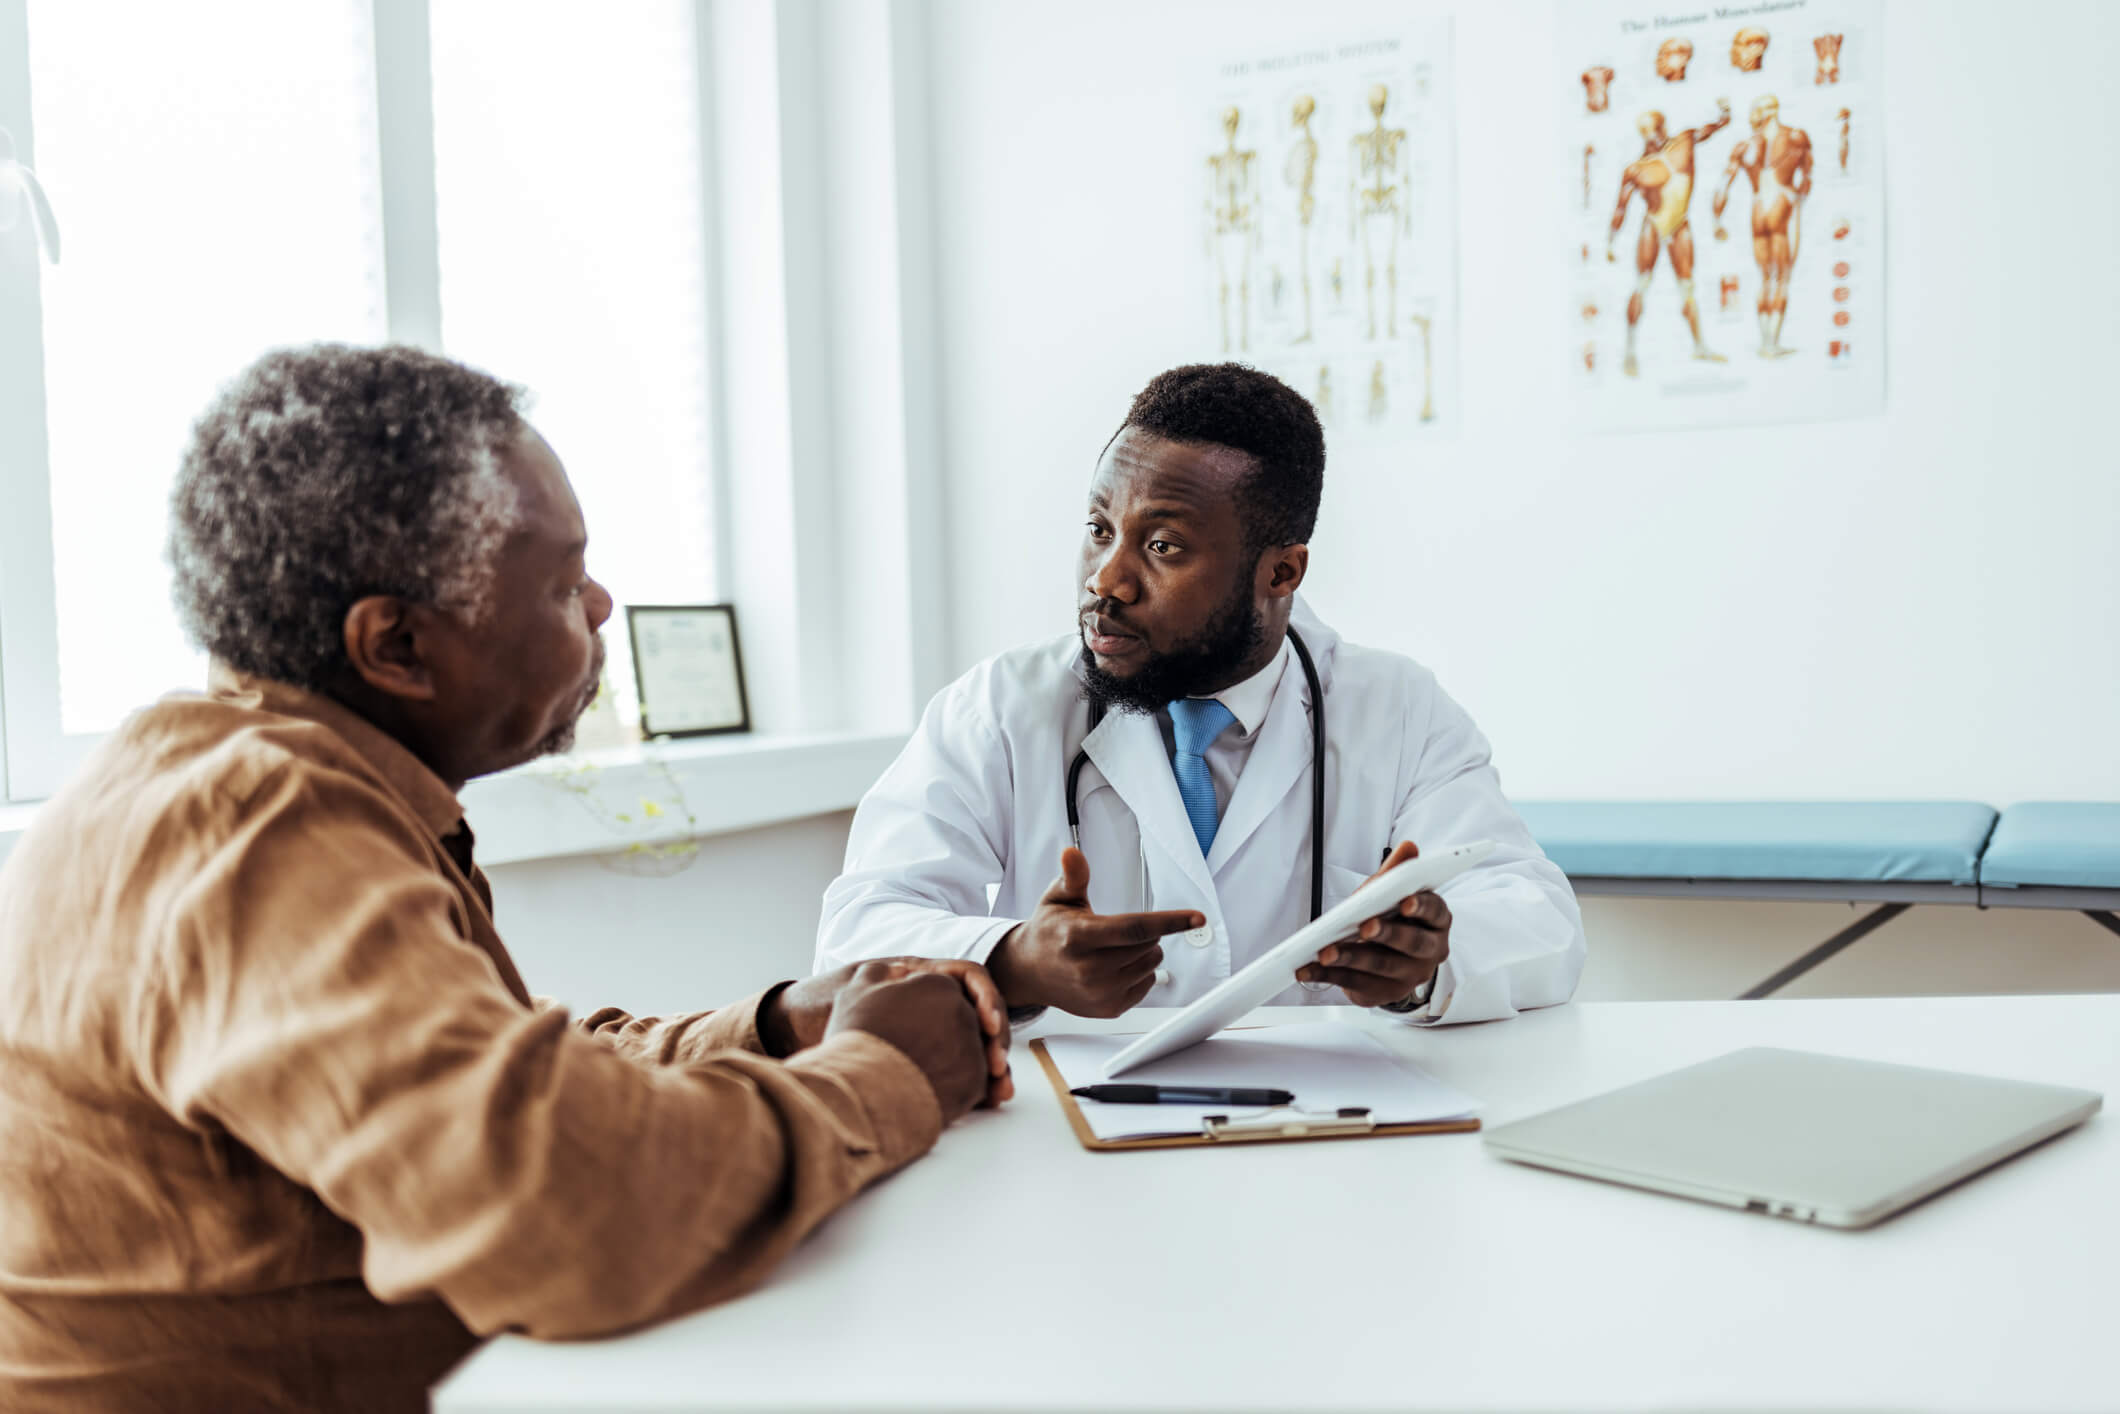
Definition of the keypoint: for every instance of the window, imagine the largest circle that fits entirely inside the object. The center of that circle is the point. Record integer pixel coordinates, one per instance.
(220, 187)
(573, 260)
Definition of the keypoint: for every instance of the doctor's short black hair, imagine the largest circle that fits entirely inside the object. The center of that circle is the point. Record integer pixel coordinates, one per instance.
(1231, 405)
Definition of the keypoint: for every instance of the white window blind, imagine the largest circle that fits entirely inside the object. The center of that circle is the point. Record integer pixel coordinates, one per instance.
(221, 189)
(571, 201)
(214, 171)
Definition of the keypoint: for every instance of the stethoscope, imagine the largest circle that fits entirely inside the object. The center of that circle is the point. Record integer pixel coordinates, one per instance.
(1317, 777)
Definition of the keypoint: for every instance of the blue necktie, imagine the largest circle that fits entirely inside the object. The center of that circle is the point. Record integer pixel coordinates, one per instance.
(1196, 722)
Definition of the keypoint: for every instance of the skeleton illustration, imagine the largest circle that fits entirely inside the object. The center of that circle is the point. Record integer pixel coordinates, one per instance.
(1378, 201)
(1302, 174)
(1233, 225)
(1422, 322)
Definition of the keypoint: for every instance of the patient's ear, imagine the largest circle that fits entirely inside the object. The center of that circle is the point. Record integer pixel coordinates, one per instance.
(385, 643)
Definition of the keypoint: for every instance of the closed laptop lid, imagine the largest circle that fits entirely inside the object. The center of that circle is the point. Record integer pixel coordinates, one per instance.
(1845, 1140)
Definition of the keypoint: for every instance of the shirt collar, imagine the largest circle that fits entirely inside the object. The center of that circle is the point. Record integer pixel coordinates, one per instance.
(432, 800)
(1248, 700)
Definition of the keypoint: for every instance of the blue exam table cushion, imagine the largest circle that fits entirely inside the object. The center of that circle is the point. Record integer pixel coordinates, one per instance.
(2070, 846)
(1920, 842)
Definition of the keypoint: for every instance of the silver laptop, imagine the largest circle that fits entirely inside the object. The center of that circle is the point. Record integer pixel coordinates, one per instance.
(1820, 1139)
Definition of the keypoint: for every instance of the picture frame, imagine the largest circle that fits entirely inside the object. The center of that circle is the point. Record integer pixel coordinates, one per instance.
(688, 669)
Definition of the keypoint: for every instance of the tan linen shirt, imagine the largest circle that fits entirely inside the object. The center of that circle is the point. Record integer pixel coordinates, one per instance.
(280, 1127)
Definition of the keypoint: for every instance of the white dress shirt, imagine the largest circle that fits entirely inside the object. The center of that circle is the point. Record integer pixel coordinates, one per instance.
(1247, 701)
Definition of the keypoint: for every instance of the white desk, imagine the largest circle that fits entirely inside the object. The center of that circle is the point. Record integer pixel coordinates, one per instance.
(1011, 1269)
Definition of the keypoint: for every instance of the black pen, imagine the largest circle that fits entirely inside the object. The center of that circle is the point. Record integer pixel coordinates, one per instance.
(1181, 1095)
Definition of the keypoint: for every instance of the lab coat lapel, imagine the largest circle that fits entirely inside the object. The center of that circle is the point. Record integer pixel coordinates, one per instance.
(1278, 760)
(1128, 748)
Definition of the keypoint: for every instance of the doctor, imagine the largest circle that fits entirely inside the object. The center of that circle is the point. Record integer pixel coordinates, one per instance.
(1180, 717)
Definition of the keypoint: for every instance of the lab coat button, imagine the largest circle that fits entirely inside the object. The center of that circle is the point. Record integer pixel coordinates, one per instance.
(1201, 936)
(1163, 977)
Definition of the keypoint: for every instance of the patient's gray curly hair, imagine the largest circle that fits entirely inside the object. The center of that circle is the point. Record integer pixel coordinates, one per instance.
(326, 474)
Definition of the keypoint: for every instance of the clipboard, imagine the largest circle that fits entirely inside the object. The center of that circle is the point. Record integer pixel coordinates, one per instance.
(1271, 1127)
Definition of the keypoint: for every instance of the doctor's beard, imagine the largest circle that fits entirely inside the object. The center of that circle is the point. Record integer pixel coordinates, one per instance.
(1204, 664)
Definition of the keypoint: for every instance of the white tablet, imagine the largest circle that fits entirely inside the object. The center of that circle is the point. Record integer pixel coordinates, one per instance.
(1274, 971)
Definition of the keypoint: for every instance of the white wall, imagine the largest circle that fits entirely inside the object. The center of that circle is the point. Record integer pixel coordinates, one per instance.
(744, 915)
(1922, 604)
(740, 916)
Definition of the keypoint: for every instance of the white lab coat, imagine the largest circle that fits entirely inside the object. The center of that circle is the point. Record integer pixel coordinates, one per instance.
(976, 804)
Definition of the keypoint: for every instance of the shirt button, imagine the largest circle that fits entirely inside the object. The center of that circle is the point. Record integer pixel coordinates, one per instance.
(1201, 936)
(1163, 977)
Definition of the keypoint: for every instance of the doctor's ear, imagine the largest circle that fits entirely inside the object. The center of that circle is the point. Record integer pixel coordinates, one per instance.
(1281, 570)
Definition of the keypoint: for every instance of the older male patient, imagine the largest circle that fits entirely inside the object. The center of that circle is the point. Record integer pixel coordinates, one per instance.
(280, 1125)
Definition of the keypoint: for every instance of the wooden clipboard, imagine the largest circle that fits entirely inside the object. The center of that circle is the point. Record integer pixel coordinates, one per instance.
(1210, 1139)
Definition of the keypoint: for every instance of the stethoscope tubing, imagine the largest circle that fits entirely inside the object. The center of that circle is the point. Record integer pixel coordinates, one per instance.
(1317, 776)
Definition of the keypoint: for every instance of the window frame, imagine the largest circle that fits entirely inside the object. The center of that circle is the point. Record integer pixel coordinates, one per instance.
(28, 596)
(835, 419)
(36, 753)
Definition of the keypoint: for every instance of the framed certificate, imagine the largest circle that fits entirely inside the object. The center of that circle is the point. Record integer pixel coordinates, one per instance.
(689, 668)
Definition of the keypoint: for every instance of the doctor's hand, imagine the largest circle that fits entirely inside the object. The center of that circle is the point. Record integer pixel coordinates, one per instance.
(803, 1013)
(1087, 963)
(1391, 955)
(927, 1016)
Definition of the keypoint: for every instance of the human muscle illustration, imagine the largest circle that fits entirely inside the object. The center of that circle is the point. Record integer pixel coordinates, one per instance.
(1597, 88)
(1827, 48)
(1748, 49)
(1378, 201)
(1663, 177)
(1588, 150)
(1302, 174)
(1672, 56)
(1777, 161)
(1233, 224)
(1844, 115)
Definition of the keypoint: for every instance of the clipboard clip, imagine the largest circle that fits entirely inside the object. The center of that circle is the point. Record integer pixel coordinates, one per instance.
(1286, 1123)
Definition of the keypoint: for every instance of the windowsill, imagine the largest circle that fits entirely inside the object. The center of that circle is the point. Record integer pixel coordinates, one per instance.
(658, 795)
(654, 796)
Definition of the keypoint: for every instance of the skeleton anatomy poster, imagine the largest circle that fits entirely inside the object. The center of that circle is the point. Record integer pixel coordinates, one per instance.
(1724, 171)
(1329, 227)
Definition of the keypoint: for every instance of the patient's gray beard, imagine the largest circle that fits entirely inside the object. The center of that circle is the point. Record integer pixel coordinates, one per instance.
(561, 739)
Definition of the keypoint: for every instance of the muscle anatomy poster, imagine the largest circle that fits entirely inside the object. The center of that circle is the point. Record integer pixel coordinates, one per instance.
(1724, 170)
(1328, 227)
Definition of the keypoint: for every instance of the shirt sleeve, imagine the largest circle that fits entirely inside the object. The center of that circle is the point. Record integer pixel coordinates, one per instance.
(1516, 935)
(925, 848)
(682, 1040)
(325, 1007)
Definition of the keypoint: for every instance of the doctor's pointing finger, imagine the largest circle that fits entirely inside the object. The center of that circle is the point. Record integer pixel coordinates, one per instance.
(1091, 964)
